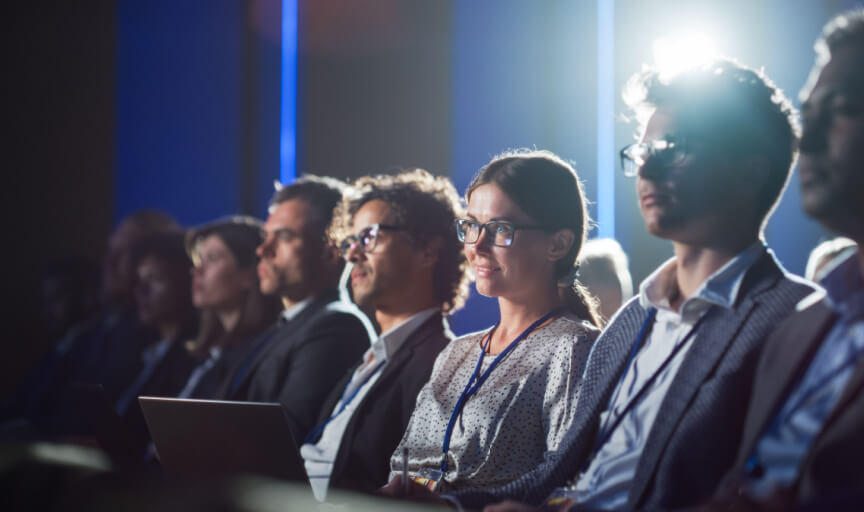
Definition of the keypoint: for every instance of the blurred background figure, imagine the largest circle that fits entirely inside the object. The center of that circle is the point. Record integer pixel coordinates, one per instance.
(225, 289)
(823, 254)
(108, 353)
(103, 349)
(164, 303)
(68, 294)
(317, 338)
(604, 270)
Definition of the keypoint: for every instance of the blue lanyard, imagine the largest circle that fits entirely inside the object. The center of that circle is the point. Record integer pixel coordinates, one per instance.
(315, 434)
(753, 461)
(606, 430)
(472, 387)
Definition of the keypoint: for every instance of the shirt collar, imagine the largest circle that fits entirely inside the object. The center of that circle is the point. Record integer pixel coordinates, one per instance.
(844, 285)
(385, 345)
(293, 311)
(721, 288)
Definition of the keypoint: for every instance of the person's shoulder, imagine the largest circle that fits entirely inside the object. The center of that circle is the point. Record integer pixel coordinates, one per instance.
(340, 313)
(470, 339)
(569, 329)
(460, 345)
(630, 312)
(340, 308)
(336, 321)
(768, 275)
(799, 284)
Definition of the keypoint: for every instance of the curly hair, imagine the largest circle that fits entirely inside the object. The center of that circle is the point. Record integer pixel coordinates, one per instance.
(427, 206)
(735, 107)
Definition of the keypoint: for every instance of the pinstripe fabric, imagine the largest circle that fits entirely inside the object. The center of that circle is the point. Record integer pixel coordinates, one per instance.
(696, 434)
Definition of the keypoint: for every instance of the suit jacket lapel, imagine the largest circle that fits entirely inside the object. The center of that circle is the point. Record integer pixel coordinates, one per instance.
(602, 372)
(711, 342)
(708, 348)
(850, 392)
(434, 325)
(773, 386)
(284, 333)
(429, 328)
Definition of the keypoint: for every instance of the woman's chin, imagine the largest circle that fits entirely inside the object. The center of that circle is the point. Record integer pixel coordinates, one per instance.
(486, 288)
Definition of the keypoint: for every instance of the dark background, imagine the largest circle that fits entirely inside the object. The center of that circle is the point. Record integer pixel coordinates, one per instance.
(116, 105)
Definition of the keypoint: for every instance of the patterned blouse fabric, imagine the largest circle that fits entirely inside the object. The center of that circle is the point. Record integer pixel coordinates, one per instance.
(520, 412)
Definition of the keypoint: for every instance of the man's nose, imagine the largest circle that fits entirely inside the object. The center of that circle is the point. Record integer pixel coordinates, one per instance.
(651, 168)
(264, 249)
(353, 253)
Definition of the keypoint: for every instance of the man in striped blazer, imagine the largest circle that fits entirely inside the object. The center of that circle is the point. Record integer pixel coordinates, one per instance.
(666, 387)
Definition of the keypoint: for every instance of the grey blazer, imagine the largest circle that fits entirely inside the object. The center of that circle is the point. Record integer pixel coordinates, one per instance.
(696, 434)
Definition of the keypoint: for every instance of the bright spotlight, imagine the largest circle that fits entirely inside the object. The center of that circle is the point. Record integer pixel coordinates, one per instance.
(673, 54)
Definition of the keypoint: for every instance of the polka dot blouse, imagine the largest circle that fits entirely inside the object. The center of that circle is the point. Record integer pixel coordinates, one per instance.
(520, 412)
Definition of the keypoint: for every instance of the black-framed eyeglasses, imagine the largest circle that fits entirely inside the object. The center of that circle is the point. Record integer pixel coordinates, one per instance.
(366, 239)
(666, 152)
(500, 232)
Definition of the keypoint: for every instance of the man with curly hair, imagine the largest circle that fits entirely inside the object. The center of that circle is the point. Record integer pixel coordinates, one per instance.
(398, 234)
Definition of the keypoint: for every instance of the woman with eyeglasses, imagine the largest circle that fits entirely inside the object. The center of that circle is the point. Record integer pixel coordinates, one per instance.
(499, 399)
(234, 312)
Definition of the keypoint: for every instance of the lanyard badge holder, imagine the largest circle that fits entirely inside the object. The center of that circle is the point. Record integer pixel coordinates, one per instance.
(561, 500)
(431, 478)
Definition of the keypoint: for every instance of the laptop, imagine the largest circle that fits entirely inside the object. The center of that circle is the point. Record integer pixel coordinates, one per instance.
(197, 439)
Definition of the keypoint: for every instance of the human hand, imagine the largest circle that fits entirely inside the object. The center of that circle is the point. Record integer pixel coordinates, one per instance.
(411, 491)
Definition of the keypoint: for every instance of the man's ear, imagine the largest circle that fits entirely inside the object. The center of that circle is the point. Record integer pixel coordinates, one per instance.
(562, 241)
(431, 250)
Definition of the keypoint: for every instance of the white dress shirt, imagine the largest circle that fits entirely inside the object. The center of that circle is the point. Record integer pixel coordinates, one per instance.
(319, 457)
(290, 312)
(606, 482)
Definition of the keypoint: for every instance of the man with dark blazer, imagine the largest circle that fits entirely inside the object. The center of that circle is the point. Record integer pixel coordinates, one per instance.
(407, 266)
(663, 395)
(318, 337)
(803, 443)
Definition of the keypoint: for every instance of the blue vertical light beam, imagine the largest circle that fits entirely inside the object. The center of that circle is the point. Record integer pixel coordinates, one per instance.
(606, 118)
(288, 107)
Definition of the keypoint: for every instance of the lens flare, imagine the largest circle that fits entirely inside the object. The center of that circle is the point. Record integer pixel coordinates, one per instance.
(673, 54)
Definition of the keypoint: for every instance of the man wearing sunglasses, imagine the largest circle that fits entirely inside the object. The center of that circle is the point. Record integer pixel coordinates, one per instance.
(317, 338)
(665, 389)
(407, 266)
